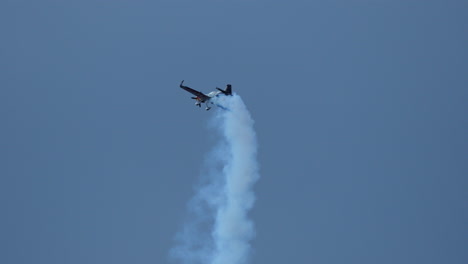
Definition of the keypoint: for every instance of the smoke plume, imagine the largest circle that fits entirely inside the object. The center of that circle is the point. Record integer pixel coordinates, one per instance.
(219, 230)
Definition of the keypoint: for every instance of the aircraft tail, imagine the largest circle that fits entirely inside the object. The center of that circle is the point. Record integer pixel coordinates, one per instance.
(228, 90)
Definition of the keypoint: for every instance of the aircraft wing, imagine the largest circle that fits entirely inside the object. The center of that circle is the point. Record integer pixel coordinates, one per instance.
(194, 92)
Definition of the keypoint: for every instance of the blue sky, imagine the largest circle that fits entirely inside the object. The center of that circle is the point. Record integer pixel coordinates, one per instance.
(360, 111)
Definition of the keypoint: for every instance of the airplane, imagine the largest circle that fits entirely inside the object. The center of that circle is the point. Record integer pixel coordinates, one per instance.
(205, 98)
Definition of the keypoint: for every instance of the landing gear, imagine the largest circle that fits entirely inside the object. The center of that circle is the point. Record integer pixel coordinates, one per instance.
(208, 108)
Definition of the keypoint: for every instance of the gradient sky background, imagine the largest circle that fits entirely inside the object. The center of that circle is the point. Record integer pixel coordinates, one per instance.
(360, 110)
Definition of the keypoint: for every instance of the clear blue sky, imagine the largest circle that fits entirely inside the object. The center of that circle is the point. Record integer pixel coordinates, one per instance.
(360, 110)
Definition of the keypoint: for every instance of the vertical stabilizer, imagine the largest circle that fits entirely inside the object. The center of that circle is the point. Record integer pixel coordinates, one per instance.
(228, 90)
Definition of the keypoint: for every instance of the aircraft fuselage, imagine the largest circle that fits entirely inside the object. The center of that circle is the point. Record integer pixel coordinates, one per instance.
(205, 98)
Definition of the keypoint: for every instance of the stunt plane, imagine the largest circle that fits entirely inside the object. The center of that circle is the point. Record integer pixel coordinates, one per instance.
(205, 98)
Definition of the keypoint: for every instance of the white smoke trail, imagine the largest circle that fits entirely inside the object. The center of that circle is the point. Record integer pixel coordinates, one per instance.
(219, 231)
